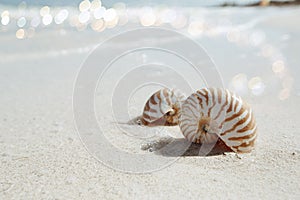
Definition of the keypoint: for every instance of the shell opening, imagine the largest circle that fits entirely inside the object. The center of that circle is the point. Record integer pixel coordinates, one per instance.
(205, 128)
(206, 125)
(171, 112)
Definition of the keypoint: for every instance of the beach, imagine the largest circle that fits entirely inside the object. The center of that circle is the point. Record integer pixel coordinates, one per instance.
(44, 155)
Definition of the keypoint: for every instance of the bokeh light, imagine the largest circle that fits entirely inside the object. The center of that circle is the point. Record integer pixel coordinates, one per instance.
(35, 22)
(147, 16)
(47, 19)
(20, 34)
(123, 18)
(239, 84)
(168, 16)
(44, 11)
(5, 19)
(98, 25)
(196, 28)
(256, 86)
(84, 17)
(5, 13)
(180, 21)
(30, 32)
(113, 23)
(109, 15)
(99, 13)
(95, 4)
(278, 66)
(21, 22)
(84, 5)
(61, 16)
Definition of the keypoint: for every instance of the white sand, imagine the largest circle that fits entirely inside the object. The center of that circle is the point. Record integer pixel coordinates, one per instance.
(42, 156)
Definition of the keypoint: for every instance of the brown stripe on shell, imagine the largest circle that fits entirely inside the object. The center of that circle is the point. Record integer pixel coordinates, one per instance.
(152, 100)
(238, 138)
(240, 122)
(223, 106)
(213, 100)
(205, 95)
(249, 126)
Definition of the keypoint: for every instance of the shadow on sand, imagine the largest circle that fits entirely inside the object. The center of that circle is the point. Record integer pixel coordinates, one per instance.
(176, 147)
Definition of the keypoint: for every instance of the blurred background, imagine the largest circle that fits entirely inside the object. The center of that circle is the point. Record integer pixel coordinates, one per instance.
(254, 43)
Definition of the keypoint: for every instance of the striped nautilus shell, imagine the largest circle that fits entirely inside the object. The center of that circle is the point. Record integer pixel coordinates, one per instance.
(213, 113)
(163, 108)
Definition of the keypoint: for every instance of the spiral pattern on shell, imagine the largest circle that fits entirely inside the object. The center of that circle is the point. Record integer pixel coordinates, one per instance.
(213, 113)
(163, 108)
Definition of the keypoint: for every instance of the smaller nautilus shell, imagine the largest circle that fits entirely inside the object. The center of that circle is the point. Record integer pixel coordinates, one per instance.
(211, 114)
(163, 108)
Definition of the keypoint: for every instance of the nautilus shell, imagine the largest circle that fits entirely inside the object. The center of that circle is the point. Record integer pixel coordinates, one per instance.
(212, 113)
(163, 108)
